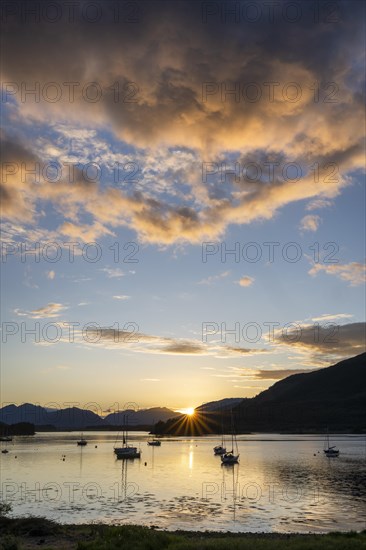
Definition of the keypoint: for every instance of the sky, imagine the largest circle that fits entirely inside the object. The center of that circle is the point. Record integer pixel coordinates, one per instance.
(183, 200)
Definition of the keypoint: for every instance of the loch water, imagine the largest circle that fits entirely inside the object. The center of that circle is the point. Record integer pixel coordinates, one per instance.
(283, 483)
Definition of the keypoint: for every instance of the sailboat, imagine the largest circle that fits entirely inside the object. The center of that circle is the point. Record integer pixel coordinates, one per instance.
(126, 451)
(82, 442)
(229, 457)
(329, 451)
(6, 437)
(154, 443)
(4, 451)
(220, 450)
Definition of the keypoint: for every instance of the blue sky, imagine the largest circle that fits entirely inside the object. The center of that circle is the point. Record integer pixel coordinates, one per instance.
(167, 212)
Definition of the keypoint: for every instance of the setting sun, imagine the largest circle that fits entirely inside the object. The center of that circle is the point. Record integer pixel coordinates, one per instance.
(189, 411)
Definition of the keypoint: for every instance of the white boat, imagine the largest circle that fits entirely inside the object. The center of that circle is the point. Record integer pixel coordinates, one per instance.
(331, 452)
(126, 451)
(154, 443)
(231, 457)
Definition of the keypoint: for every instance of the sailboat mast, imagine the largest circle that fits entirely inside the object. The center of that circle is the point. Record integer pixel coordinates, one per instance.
(124, 435)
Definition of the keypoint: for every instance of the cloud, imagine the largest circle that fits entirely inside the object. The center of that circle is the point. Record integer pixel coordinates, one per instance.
(169, 80)
(253, 375)
(86, 233)
(184, 348)
(171, 117)
(236, 350)
(28, 278)
(354, 273)
(332, 316)
(121, 297)
(49, 311)
(246, 281)
(310, 223)
(146, 343)
(279, 374)
(113, 273)
(317, 204)
(325, 343)
(214, 278)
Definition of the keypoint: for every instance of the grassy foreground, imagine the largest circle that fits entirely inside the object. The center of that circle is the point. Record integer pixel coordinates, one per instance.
(28, 533)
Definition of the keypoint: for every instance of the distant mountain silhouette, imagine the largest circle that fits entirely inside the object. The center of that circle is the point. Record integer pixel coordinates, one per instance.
(143, 416)
(69, 418)
(74, 418)
(13, 414)
(333, 397)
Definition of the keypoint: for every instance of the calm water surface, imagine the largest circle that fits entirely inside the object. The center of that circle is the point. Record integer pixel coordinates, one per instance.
(283, 483)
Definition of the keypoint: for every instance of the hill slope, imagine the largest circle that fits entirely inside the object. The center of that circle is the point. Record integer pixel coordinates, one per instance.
(221, 405)
(334, 396)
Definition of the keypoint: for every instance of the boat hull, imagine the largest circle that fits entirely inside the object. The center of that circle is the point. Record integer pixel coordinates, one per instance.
(229, 458)
(331, 453)
(219, 451)
(127, 452)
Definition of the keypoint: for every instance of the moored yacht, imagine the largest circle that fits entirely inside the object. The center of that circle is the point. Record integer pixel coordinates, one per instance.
(219, 450)
(331, 452)
(154, 443)
(126, 451)
(82, 442)
(230, 457)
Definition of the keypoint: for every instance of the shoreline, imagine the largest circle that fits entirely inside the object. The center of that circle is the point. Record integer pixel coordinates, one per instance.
(35, 532)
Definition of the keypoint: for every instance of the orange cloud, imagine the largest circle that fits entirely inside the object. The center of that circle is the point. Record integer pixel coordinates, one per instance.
(162, 104)
(246, 281)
